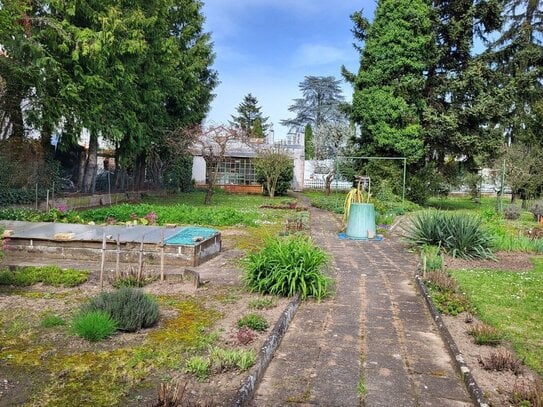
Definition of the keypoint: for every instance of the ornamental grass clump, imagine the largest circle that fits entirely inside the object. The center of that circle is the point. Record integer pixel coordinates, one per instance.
(458, 234)
(130, 308)
(94, 325)
(287, 266)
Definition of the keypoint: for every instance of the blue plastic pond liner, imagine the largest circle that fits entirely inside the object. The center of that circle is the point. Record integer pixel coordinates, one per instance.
(343, 236)
(191, 236)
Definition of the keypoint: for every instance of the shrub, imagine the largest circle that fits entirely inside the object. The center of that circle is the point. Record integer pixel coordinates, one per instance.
(245, 335)
(94, 325)
(130, 308)
(459, 234)
(286, 266)
(49, 275)
(527, 393)
(253, 321)
(484, 334)
(441, 281)
(131, 278)
(512, 212)
(500, 360)
(537, 210)
(52, 320)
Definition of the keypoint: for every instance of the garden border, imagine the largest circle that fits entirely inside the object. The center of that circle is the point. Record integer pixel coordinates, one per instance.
(246, 392)
(471, 385)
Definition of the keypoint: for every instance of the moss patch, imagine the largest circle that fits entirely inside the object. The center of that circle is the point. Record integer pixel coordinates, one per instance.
(79, 373)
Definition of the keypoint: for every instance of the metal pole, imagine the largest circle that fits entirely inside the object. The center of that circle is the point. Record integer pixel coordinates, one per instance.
(102, 263)
(118, 258)
(109, 187)
(404, 178)
(502, 186)
(162, 255)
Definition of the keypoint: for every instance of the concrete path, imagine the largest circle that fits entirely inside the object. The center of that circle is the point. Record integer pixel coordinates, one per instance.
(374, 337)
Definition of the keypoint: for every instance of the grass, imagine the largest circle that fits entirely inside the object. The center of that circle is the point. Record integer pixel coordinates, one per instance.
(50, 320)
(187, 208)
(386, 210)
(48, 275)
(94, 326)
(512, 303)
(262, 303)
(254, 321)
(199, 367)
(484, 334)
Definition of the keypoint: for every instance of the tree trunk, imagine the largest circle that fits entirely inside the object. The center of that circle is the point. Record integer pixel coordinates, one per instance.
(209, 194)
(45, 140)
(139, 173)
(14, 110)
(91, 164)
(271, 187)
(328, 183)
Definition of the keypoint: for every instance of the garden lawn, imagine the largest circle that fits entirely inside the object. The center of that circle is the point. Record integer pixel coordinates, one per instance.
(513, 303)
(187, 208)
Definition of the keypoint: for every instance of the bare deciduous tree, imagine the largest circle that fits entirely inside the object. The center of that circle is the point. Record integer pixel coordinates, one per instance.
(328, 142)
(211, 143)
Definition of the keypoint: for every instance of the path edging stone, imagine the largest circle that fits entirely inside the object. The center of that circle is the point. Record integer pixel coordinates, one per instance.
(473, 388)
(246, 391)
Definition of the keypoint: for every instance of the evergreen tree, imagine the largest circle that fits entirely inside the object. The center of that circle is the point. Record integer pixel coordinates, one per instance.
(250, 119)
(462, 103)
(517, 55)
(309, 148)
(126, 72)
(388, 99)
(321, 102)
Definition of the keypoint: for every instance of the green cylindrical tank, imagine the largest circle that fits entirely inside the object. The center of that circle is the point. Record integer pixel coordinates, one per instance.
(361, 222)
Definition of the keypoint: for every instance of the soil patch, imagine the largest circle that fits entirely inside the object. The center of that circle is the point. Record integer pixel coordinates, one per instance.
(504, 261)
(497, 386)
(28, 351)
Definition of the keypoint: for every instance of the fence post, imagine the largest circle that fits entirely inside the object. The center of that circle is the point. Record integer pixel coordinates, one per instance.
(103, 260)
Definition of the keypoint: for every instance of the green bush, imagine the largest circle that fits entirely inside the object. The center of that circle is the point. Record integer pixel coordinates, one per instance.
(512, 212)
(537, 210)
(254, 321)
(283, 182)
(286, 266)
(130, 308)
(49, 275)
(458, 234)
(94, 325)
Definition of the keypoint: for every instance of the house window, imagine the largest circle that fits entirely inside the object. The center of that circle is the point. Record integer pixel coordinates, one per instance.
(236, 171)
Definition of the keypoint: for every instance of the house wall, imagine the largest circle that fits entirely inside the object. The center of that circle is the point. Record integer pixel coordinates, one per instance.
(199, 170)
(299, 165)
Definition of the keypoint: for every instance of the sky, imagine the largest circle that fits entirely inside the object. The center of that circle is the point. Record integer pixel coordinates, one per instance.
(267, 47)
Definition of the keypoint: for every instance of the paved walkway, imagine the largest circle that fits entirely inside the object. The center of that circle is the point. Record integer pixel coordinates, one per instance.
(376, 326)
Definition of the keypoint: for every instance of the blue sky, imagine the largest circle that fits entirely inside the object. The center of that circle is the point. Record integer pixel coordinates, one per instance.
(266, 47)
